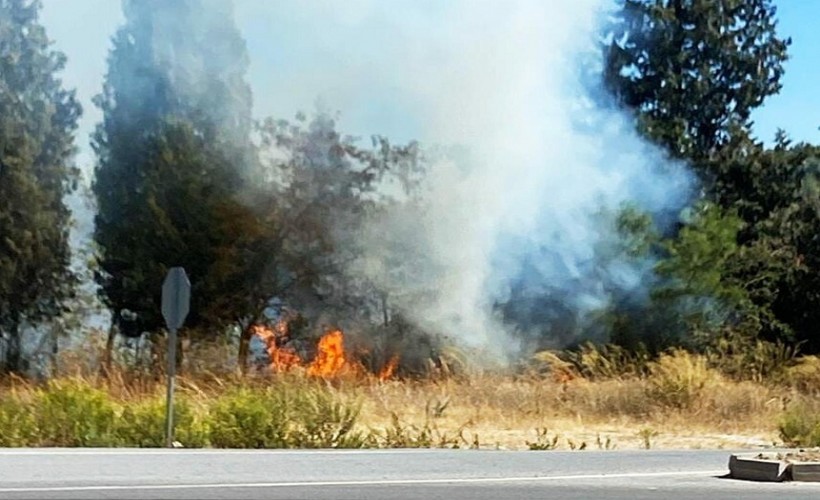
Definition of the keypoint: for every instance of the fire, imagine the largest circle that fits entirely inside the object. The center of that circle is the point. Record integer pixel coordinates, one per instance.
(282, 358)
(389, 369)
(331, 359)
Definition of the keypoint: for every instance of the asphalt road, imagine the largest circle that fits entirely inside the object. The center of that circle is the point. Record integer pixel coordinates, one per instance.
(407, 474)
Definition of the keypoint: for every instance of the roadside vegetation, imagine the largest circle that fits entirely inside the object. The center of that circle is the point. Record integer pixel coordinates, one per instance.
(718, 348)
(590, 399)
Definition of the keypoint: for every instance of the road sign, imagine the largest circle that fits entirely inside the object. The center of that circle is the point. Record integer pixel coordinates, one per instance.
(176, 297)
(176, 301)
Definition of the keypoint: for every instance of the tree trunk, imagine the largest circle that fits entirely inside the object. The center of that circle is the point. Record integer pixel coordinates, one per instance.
(14, 354)
(55, 349)
(105, 366)
(244, 348)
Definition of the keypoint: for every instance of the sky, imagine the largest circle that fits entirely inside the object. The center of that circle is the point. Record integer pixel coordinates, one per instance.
(294, 46)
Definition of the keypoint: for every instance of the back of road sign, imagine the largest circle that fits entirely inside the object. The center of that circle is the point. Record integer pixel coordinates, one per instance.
(176, 298)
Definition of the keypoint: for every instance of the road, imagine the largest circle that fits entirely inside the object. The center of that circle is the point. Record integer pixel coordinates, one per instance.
(383, 474)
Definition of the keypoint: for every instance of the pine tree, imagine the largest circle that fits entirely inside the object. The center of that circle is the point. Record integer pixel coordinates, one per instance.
(173, 157)
(693, 70)
(38, 117)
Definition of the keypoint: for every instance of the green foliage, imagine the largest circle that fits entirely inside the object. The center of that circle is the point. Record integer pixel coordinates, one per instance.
(72, 413)
(773, 191)
(694, 71)
(174, 157)
(181, 210)
(323, 188)
(800, 425)
(319, 191)
(249, 419)
(17, 422)
(745, 265)
(37, 122)
(284, 417)
(698, 288)
(142, 424)
(325, 421)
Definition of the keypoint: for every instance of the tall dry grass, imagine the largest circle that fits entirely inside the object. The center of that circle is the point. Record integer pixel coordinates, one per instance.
(598, 399)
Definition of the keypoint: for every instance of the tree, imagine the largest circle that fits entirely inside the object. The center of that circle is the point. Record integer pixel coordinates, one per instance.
(693, 70)
(320, 189)
(174, 159)
(38, 118)
(777, 196)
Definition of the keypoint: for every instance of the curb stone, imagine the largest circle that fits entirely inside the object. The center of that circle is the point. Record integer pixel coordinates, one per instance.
(754, 467)
(806, 471)
(748, 466)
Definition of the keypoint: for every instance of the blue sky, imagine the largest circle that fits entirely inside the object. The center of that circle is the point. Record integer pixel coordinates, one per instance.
(294, 46)
(797, 108)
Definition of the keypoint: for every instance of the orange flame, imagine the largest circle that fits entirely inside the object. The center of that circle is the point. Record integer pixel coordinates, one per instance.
(330, 359)
(281, 358)
(389, 369)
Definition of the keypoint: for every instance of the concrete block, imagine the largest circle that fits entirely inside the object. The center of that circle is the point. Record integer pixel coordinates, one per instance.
(748, 466)
(805, 471)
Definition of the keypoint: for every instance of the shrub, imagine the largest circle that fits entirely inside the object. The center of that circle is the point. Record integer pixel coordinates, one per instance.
(323, 420)
(609, 361)
(678, 378)
(71, 413)
(249, 419)
(143, 424)
(17, 425)
(742, 358)
(287, 415)
(800, 425)
(804, 375)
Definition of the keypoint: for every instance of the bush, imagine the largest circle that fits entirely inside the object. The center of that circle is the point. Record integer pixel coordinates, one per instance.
(325, 421)
(248, 419)
(71, 413)
(142, 424)
(284, 416)
(742, 358)
(16, 422)
(800, 425)
(804, 375)
(677, 379)
(608, 361)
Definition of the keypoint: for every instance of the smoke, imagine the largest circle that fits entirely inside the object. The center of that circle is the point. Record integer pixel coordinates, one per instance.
(514, 241)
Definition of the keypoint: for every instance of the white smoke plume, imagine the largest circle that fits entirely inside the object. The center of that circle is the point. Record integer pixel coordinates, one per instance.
(517, 216)
(513, 217)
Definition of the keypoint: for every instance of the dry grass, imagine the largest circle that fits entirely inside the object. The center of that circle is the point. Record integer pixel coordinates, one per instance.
(677, 401)
(507, 412)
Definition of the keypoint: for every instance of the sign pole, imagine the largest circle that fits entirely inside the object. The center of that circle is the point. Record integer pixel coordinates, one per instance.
(176, 301)
(169, 397)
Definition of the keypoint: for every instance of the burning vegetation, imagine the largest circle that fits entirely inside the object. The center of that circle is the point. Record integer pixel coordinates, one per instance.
(332, 359)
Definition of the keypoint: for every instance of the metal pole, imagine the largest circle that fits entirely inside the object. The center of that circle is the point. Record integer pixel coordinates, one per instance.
(169, 398)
